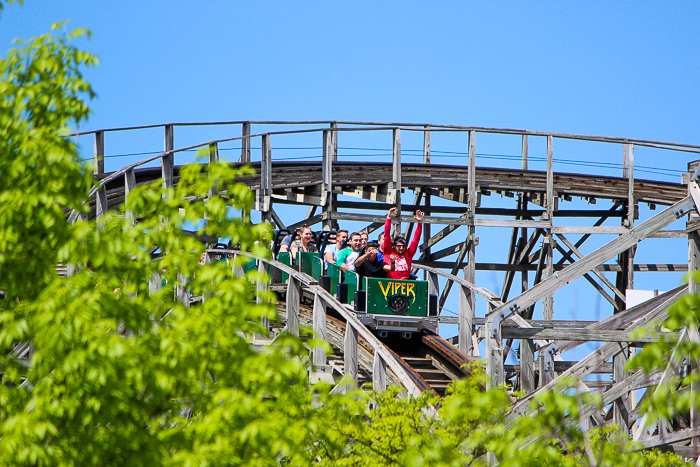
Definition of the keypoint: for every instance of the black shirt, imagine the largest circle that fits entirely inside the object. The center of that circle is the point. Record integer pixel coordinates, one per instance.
(370, 268)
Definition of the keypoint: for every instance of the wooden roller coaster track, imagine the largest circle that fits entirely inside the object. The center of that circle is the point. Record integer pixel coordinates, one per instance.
(455, 197)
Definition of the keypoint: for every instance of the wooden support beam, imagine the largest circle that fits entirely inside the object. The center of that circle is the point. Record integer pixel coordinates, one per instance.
(433, 284)
(395, 190)
(533, 267)
(155, 283)
(99, 153)
(264, 202)
(631, 214)
(602, 254)
(524, 156)
(129, 185)
(494, 356)
(293, 301)
(213, 159)
(600, 275)
(645, 430)
(427, 204)
(603, 230)
(582, 335)
(276, 219)
(426, 145)
(309, 221)
(466, 247)
(677, 436)
(100, 201)
(319, 327)
(456, 221)
(595, 284)
(449, 251)
(167, 162)
(378, 373)
(334, 141)
(440, 235)
(528, 379)
(583, 239)
(327, 178)
(548, 301)
(601, 355)
(624, 319)
(471, 176)
(621, 405)
(514, 252)
(416, 202)
(467, 310)
(350, 360)
(245, 143)
(182, 291)
(260, 289)
(615, 391)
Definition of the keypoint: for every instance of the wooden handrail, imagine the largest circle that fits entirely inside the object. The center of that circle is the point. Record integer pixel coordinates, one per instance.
(313, 287)
(421, 127)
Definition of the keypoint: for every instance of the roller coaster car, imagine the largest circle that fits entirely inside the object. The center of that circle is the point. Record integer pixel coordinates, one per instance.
(383, 305)
(390, 305)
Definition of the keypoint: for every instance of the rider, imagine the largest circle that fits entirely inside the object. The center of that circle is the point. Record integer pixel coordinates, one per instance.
(404, 256)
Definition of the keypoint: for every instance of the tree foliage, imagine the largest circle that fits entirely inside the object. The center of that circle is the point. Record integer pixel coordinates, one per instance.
(470, 427)
(119, 376)
(122, 375)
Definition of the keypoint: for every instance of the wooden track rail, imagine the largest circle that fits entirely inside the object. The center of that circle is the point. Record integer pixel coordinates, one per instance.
(547, 251)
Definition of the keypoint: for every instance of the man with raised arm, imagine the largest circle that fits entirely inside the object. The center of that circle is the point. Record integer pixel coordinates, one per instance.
(403, 255)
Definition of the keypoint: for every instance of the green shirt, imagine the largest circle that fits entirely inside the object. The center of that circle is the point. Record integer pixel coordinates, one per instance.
(348, 257)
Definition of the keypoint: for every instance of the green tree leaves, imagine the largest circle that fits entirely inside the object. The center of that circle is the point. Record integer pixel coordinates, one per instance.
(123, 374)
(42, 95)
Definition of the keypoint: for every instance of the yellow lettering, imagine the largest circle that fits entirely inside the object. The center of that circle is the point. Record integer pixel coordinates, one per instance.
(385, 291)
(410, 291)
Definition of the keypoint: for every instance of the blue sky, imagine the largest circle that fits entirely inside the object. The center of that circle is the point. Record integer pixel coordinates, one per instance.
(628, 69)
(608, 68)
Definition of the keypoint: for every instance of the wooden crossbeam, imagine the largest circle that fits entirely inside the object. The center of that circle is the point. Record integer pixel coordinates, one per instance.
(604, 279)
(455, 269)
(622, 320)
(602, 254)
(597, 357)
(582, 335)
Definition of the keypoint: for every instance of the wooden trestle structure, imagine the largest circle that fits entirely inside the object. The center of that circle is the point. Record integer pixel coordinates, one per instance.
(541, 251)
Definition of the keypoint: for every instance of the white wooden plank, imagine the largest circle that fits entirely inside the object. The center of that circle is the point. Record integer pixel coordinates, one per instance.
(670, 371)
(350, 353)
(466, 319)
(293, 300)
(378, 373)
(100, 201)
(319, 327)
(604, 230)
(129, 185)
